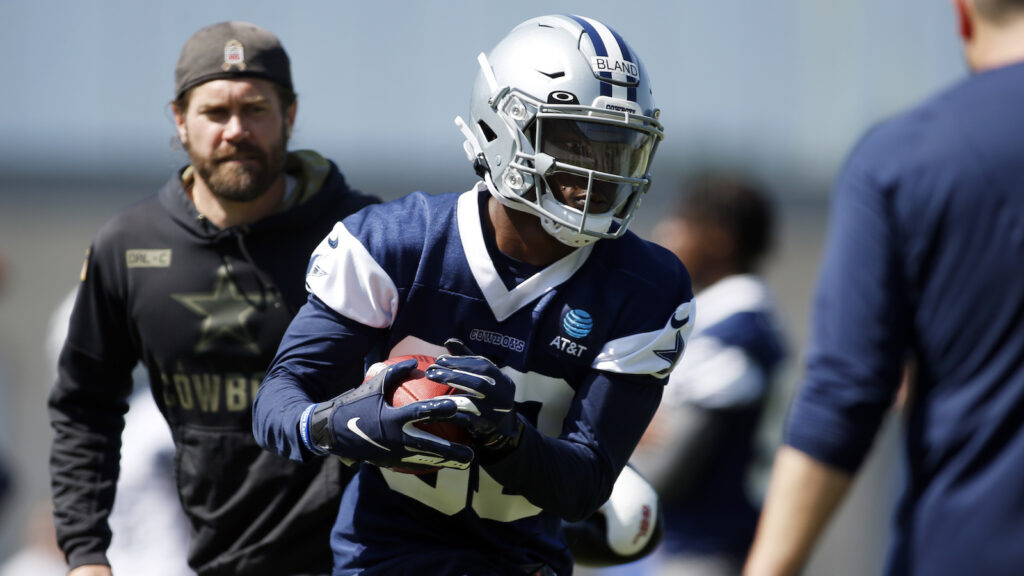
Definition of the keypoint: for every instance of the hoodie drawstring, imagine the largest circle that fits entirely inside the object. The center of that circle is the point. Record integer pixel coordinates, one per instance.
(266, 286)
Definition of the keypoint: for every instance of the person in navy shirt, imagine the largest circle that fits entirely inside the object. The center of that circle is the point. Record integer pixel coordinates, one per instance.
(924, 258)
(557, 324)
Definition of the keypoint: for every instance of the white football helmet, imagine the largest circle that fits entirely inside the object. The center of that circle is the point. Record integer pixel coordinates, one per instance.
(564, 94)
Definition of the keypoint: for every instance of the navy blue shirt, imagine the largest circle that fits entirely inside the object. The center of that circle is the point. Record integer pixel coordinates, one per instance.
(926, 256)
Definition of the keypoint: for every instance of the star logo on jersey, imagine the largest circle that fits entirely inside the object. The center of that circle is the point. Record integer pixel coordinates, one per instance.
(314, 269)
(225, 312)
(671, 355)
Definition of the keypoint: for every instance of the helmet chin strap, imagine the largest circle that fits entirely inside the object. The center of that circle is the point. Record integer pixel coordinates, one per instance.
(566, 234)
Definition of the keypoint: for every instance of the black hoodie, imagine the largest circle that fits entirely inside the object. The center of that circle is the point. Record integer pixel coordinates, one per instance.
(204, 310)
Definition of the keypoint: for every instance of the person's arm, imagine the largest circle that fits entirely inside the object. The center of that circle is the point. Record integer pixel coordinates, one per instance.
(716, 380)
(860, 330)
(677, 449)
(624, 529)
(571, 475)
(86, 409)
(312, 403)
(592, 450)
(87, 417)
(802, 495)
(320, 356)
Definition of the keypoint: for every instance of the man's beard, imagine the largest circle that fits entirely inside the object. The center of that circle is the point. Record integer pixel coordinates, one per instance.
(240, 182)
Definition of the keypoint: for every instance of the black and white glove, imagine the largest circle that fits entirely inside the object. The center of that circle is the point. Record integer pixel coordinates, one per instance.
(359, 425)
(487, 405)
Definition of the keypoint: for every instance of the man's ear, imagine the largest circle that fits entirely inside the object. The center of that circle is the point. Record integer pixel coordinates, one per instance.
(179, 124)
(289, 118)
(965, 23)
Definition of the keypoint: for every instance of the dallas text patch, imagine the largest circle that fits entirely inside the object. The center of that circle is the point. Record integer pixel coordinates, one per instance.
(148, 258)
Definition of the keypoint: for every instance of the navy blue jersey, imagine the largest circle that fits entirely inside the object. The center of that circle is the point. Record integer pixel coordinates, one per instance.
(732, 360)
(926, 256)
(588, 341)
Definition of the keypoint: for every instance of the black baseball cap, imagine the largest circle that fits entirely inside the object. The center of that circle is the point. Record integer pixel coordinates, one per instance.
(231, 50)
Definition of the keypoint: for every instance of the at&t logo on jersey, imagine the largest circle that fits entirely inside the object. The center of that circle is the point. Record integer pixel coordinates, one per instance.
(576, 325)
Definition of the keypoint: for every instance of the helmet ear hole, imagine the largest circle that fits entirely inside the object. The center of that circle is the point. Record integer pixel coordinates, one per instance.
(487, 132)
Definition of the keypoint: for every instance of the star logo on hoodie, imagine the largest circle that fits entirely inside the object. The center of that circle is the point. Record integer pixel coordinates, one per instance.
(225, 312)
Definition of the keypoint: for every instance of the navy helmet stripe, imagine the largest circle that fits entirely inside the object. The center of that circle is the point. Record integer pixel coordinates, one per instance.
(628, 57)
(592, 32)
(626, 54)
(599, 47)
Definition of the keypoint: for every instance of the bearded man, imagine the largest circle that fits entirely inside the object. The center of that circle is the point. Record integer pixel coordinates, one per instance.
(198, 282)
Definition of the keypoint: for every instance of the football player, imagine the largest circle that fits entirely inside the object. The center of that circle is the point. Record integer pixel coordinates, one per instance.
(557, 323)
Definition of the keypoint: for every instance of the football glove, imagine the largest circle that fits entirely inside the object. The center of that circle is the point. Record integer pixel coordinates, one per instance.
(359, 425)
(487, 404)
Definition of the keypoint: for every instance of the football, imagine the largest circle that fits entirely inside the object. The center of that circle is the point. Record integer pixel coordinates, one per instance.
(418, 387)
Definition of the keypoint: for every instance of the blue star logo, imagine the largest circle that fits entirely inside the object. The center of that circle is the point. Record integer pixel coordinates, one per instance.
(313, 269)
(671, 355)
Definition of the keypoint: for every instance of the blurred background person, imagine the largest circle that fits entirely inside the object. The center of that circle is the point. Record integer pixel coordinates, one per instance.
(924, 254)
(701, 451)
(707, 448)
(39, 554)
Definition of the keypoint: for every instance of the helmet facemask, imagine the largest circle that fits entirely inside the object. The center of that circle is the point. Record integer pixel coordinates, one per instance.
(601, 160)
(531, 134)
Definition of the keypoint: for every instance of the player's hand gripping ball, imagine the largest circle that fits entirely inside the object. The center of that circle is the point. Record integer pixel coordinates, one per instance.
(373, 423)
(415, 387)
(487, 396)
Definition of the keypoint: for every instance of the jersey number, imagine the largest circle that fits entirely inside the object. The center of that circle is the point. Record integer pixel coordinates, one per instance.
(448, 494)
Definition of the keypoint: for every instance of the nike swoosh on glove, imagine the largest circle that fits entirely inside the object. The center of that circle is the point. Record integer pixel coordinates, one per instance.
(359, 425)
(487, 404)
